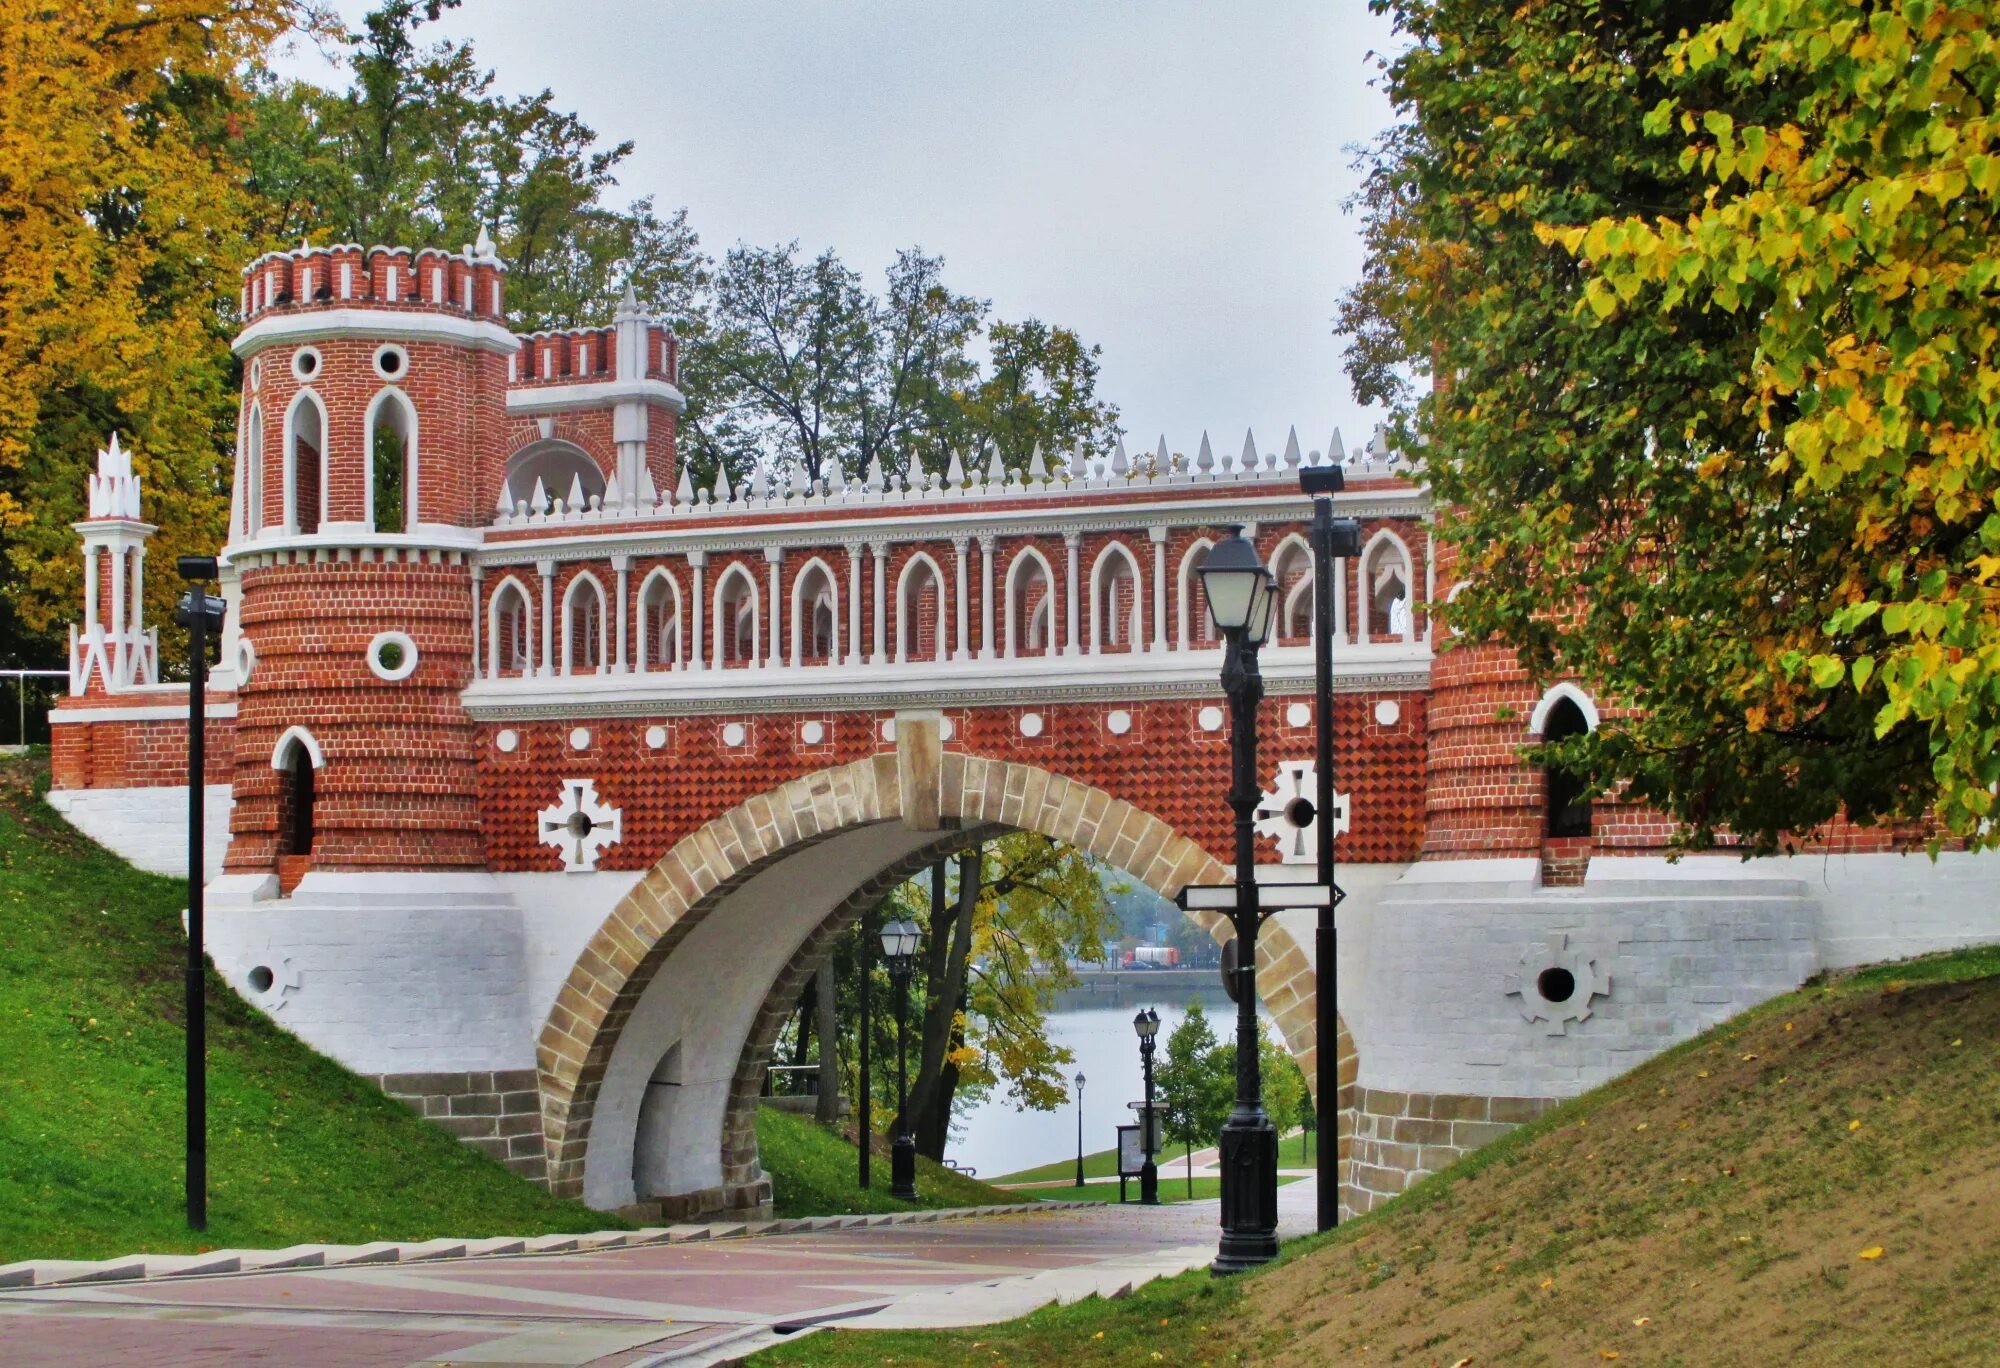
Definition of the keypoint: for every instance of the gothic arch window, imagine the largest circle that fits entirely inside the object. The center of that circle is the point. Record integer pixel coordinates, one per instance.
(737, 635)
(920, 610)
(564, 471)
(1561, 715)
(305, 463)
(660, 632)
(1197, 628)
(1387, 609)
(391, 433)
(1029, 582)
(296, 758)
(251, 462)
(584, 627)
(510, 631)
(1292, 567)
(1114, 601)
(815, 615)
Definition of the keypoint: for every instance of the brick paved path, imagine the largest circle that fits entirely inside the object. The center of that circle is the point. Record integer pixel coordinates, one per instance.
(678, 1304)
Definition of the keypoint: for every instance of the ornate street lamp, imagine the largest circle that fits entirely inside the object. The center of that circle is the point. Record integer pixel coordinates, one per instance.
(1331, 538)
(201, 613)
(899, 949)
(1079, 1128)
(1240, 593)
(1147, 1026)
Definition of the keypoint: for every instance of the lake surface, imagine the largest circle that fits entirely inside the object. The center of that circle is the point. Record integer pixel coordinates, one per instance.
(995, 1138)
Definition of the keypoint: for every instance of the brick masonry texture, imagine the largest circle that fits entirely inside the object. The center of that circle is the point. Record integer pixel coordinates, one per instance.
(498, 1113)
(1400, 1138)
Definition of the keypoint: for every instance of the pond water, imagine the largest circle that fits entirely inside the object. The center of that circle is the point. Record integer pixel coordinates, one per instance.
(995, 1138)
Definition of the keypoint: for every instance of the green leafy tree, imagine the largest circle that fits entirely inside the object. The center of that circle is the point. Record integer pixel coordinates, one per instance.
(1194, 1085)
(1287, 1099)
(1605, 469)
(1851, 231)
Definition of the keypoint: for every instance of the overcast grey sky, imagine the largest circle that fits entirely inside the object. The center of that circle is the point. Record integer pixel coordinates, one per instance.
(1165, 177)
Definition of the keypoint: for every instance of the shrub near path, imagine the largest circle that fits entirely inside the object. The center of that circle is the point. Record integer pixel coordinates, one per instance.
(1813, 1182)
(91, 1086)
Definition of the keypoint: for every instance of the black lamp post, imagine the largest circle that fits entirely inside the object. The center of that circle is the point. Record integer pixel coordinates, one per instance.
(1147, 1025)
(1240, 594)
(199, 611)
(1331, 537)
(1079, 1128)
(899, 949)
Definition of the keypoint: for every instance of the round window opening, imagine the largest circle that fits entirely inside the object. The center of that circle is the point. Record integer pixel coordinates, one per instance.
(1556, 985)
(305, 363)
(392, 656)
(391, 361)
(1300, 811)
(580, 824)
(261, 978)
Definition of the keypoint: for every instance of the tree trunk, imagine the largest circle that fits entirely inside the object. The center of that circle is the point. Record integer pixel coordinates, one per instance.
(826, 1109)
(930, 1101)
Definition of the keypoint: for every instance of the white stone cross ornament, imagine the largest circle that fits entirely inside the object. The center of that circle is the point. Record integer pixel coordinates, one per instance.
(580, 826)
(1285, 813)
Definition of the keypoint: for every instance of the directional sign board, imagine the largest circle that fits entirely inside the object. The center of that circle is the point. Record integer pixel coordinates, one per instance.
(1271, 897)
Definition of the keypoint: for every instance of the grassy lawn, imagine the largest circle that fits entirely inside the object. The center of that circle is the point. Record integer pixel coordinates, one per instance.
(1811, 1183)
(813, 1173)
(91, 1049)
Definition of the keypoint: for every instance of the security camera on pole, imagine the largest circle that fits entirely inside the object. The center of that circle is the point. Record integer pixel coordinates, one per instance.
(1331, 537)
(200, 612)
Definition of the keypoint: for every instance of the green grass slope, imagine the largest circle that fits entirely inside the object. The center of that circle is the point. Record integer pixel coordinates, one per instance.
(1811, 1183)
(91, 1081)
(814, 1173)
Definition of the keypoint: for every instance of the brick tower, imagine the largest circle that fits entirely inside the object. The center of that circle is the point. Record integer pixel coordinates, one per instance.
(371, 379)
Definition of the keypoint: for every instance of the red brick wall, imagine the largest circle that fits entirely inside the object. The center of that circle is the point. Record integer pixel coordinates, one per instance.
(138, 754)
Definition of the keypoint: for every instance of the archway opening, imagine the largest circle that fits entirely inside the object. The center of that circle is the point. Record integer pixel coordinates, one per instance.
(296, 828)
(729, 951)
(1568, 809)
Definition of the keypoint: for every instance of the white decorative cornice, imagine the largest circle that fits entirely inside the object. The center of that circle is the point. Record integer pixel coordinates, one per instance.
(596, 394)
(388, 325)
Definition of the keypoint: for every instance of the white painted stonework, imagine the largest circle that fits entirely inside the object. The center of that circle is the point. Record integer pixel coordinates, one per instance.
(148, 826)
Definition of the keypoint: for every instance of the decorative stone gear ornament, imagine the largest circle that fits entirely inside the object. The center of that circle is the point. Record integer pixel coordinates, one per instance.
(1556, 984)
(1285, 815)
(273, 980)
(580, 826)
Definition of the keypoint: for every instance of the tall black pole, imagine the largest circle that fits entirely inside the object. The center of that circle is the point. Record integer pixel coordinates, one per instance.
(1149, 1172)
(1079, 1130)
(903, 1149)
(197, 570)
(1249, 1141)
(865, 1109)
(1326, 1027)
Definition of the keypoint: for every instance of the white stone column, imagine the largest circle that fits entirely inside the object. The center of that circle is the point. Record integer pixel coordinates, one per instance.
(138, 592)
(1340, 598)
(697, 645)
(548, 570)
(1159, 536)
(774, 556)
(479, 670)
(620, 662)
(1072, 614)
(853, 605)
(963, 606)
(119, 570)
(881, 652)
(1430, 584)
(987, 544)
(90, 573)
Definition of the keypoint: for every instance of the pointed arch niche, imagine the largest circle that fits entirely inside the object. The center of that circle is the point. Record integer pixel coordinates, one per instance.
(390, 438)
(510, 631)
(1030, 594)
(305, 463)
(815, 615)
(560, 468)
(1117, 623)
(662, 634)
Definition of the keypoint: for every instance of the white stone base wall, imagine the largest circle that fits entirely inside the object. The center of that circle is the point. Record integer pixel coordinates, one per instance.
(148, 826)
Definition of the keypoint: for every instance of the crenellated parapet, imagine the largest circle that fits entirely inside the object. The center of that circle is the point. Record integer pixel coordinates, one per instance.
(468, 283)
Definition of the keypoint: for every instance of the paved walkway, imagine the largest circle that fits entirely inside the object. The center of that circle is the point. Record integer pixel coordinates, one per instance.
(684, 1305)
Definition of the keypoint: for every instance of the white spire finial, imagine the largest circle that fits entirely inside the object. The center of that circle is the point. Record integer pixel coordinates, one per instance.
(482, 246)
(1336, 450)
(1204, 459)
(996, 473)
(1038, 469)
(1294, 458)
(1249, 460)
(1163, 460)
(723, 493)
(1121, 464)
(684, 491)
(114, 490)
(955, 474)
